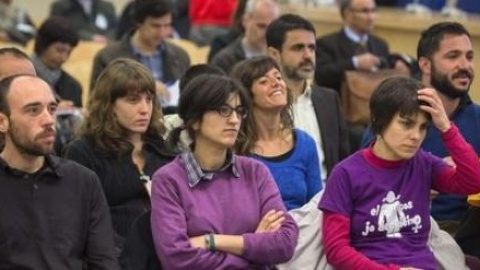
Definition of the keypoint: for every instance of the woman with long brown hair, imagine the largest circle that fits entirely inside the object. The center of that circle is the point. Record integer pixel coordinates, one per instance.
(269, 136)
(121, 139)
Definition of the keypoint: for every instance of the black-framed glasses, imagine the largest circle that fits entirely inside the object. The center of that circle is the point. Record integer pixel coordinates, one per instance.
(227, 111)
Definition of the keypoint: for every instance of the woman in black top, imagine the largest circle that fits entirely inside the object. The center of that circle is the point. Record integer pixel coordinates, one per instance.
(121, 139)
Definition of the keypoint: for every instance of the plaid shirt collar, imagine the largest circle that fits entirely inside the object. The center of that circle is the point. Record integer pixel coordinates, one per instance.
(195, 172)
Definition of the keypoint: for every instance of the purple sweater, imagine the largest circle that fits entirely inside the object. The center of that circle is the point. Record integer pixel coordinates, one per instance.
(226, 204)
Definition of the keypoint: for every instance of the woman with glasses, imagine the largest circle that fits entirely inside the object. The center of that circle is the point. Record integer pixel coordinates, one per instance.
(269, 136)
(212, 209)
(121, 140)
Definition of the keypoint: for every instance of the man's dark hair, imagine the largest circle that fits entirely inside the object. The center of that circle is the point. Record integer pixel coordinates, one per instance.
(17, 53)
(430, 39)
(278, 29)
(55, 29)
(392, 96)
(151, 8)
(197, 70)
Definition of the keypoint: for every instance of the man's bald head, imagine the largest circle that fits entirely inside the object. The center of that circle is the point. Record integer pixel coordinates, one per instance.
(13, 61)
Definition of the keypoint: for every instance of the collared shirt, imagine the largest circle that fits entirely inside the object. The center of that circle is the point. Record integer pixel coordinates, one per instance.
(87, 5)
(354, 36)
(56, 218)
(153, 62)
(305, 118)
(360, 39)
(250, 53)
(195, 172)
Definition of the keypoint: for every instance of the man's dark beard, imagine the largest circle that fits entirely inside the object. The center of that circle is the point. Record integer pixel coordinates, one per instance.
(25, 147)
(441, 83)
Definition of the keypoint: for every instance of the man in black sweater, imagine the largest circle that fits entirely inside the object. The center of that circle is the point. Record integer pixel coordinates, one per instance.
(54, 212)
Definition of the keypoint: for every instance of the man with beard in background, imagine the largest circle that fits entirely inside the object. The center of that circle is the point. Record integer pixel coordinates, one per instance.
(445, 57)
(55, 213)
(316, 110)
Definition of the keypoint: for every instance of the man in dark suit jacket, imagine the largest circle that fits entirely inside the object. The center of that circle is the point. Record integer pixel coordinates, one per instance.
(291, 42)
(94, 19)
(353, 47)
(258, 15)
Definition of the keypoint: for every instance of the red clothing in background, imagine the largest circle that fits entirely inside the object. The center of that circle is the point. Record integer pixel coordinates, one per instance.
(211, 12)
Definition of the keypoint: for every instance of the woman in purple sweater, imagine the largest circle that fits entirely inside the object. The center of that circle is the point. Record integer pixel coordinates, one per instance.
(212, 209)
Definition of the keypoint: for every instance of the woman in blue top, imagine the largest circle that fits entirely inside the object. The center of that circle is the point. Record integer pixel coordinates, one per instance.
(269, 136)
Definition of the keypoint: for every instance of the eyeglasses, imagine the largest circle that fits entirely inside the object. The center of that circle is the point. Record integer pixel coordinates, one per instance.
(227, 111)
(363, 10)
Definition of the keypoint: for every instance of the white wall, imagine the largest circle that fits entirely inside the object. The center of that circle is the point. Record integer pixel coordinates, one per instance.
(39, 9)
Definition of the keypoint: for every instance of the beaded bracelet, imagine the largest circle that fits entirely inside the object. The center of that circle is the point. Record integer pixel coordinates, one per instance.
(210, 242)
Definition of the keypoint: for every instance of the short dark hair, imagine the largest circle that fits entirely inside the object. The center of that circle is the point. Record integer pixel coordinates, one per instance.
(430, 39)
(197, 70)
(151, 8)
(392, 96)
(277, 30)
(55, 29)
(344, 5)
(5, 85)
(17, 53)
(205, 93)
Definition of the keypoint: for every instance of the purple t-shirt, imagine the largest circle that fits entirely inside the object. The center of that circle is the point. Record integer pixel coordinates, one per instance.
(388, 207)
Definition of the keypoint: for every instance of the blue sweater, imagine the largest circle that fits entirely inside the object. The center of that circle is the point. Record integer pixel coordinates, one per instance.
(467, 119)
(297, 176)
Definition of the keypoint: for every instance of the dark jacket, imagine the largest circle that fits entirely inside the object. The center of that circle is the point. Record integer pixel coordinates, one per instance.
(175, 59)
(334, 56)
(69, 88)
(102, 20)
(331, 122)
(229, 56)
(468, 235)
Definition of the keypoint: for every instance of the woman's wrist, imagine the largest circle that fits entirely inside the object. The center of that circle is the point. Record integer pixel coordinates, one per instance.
(210, 242)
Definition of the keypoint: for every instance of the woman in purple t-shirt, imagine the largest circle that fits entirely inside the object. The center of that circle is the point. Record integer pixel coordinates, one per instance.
(212, 209)
(376, 203)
